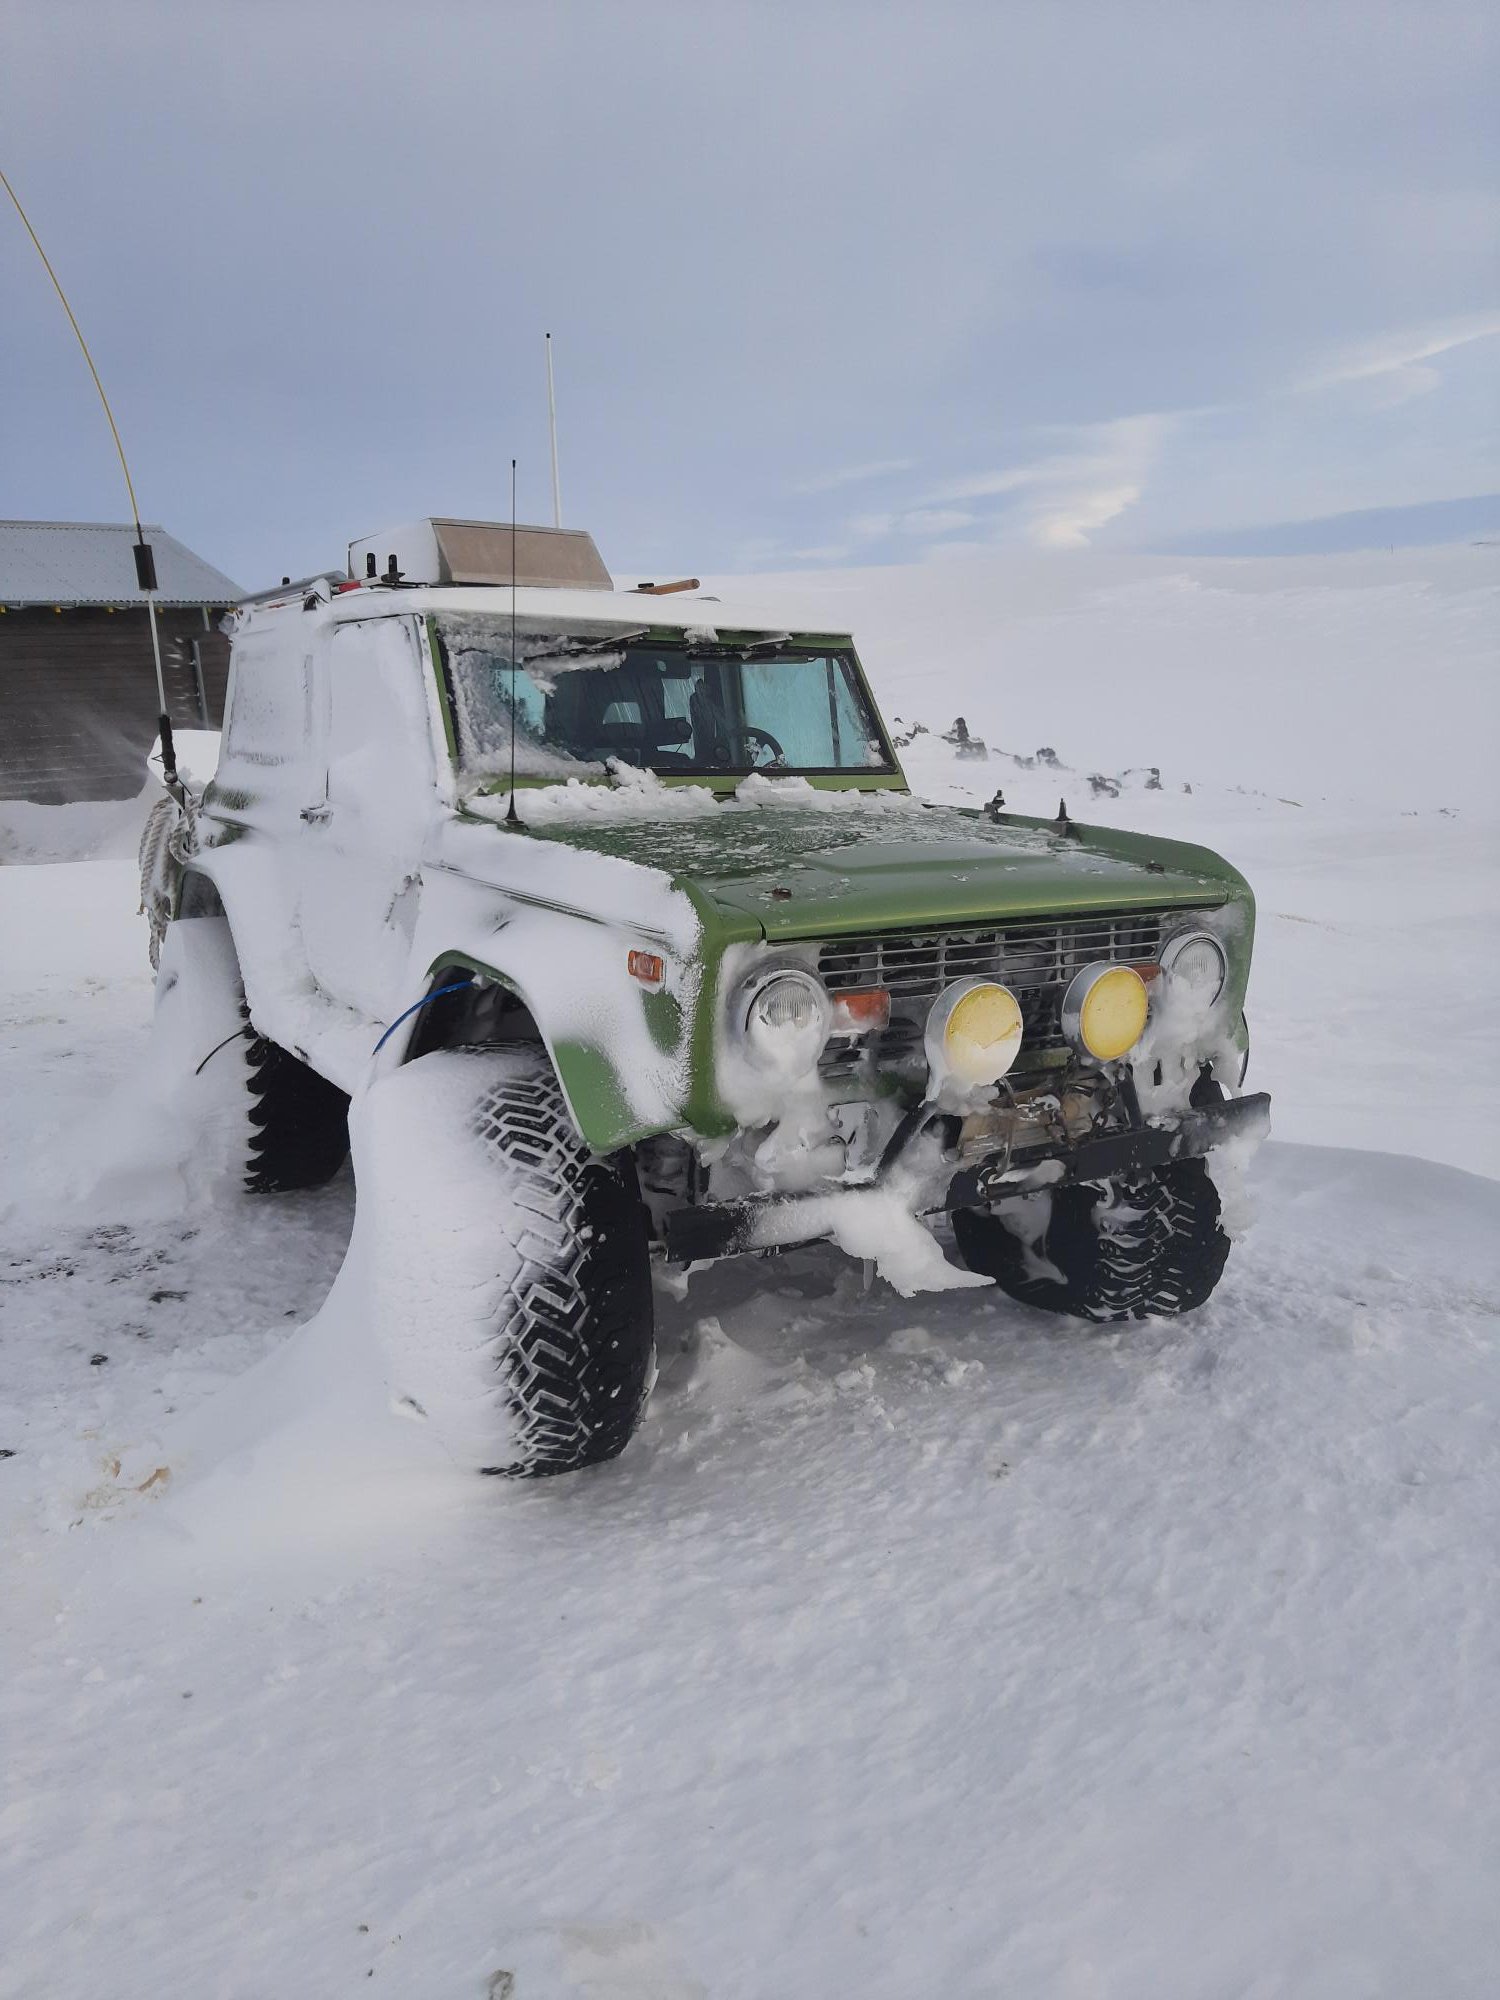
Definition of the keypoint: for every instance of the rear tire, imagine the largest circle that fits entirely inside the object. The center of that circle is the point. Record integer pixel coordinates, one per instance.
(276, 1125)
(297, 1121)
(1153, 1246)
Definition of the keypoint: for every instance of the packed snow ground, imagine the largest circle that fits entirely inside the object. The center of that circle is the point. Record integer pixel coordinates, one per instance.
(914, 1647)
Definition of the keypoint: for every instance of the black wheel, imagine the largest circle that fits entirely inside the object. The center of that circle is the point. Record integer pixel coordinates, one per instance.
(538, 1352)
(1124, 1250)
(298, 1134)
(267, 1119)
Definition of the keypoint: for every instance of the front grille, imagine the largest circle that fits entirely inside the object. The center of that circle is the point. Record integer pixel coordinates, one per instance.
(1035, 957)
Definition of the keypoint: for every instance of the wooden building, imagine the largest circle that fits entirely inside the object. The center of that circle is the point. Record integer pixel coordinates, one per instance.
(78, 700)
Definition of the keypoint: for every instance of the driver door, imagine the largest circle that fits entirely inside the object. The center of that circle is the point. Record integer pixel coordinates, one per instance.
(364, 848)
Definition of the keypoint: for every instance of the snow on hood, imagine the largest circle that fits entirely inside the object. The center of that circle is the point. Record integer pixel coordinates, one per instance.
(637, 794)
(798, 858)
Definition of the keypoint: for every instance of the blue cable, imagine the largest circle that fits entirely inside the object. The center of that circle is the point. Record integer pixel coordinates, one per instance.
(457, 987)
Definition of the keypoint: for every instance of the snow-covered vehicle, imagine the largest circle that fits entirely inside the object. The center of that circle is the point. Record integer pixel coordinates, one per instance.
(633, 893)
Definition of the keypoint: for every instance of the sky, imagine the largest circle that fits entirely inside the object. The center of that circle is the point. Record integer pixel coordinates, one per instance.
(828, 284)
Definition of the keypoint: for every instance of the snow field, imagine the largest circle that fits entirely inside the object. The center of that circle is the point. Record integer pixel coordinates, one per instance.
(903, 1648)
(928, 1646)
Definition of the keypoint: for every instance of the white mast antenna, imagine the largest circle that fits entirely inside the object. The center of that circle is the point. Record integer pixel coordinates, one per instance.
(145, 557)
(552, 427)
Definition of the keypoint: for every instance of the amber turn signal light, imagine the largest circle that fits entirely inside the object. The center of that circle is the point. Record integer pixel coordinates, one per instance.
(647, 968)
(862, 1013)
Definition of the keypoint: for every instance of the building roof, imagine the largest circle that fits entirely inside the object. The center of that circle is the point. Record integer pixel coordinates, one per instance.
(90, 562)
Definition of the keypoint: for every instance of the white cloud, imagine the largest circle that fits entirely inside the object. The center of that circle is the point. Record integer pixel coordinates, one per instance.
(1069, 524)
(1070, 493)
(1393, 362)
(853, 475)
(924, 521)
(870, 527)
(985, 485)
(1087, 476)
(935, 521)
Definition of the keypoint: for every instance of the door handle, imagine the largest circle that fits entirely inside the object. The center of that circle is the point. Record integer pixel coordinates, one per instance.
(314, 815)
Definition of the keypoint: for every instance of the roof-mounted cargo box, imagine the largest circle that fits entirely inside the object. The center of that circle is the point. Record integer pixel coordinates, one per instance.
(480, 552)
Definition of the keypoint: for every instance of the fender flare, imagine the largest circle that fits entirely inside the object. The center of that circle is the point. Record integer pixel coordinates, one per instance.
(592, 1086)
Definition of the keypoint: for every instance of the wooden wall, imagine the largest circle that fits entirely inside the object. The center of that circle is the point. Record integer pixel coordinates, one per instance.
(78, 697)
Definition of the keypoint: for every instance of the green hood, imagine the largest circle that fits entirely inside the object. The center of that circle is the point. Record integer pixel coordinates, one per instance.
(805, 873)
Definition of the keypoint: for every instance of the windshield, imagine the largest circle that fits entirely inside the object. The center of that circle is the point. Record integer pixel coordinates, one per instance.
(671, 707)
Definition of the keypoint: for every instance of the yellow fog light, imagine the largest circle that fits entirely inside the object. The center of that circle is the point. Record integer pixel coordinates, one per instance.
(974, 1032)
(1104, 1011)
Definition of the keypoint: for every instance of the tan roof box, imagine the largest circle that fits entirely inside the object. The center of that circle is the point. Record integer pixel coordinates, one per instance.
(479, 552)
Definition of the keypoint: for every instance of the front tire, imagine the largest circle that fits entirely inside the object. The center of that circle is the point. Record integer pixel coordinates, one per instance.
(1153, 1246)
(517, 1315)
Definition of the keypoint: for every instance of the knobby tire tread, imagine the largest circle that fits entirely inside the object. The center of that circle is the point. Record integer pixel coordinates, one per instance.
(298, 1121)
(1151, 1247)
(573, 1337)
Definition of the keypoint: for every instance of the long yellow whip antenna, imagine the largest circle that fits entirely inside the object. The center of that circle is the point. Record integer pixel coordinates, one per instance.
(145, 564)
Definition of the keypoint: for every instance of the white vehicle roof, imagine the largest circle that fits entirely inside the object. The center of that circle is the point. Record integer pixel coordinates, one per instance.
(589, 612)
(466, 568)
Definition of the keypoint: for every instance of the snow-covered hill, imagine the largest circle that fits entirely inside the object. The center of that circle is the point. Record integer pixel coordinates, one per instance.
(1368, 676)
(1332, 724)
(913, 1648)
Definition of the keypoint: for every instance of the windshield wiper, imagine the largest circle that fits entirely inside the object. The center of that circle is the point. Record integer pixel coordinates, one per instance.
(582, 649)
(706, 649)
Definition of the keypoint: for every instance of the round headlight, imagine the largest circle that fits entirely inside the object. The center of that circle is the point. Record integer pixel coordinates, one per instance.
(1196, 960)
(1104, 1011)
(787, 1022)
(974, 1032)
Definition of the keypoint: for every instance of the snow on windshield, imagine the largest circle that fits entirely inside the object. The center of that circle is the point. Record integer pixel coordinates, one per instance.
(478, 661)
(582, 705)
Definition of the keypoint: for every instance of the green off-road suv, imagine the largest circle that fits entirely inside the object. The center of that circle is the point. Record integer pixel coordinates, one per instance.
(701, 978)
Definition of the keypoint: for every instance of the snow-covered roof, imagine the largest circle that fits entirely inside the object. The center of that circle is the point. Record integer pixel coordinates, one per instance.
(90, 562)
(594, 610)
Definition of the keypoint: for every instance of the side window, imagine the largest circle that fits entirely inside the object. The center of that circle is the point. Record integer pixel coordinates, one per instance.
(379, 753)
(266, 720)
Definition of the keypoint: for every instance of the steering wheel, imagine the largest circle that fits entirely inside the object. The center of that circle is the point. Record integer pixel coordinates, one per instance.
(764, 740)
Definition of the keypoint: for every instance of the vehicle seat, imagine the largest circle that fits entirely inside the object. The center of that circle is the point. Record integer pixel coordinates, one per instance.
(598, 714)
(710, 728)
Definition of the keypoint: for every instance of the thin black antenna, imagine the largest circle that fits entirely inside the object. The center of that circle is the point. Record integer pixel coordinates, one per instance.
(552, 432)
(145, 560)
(512, 817)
